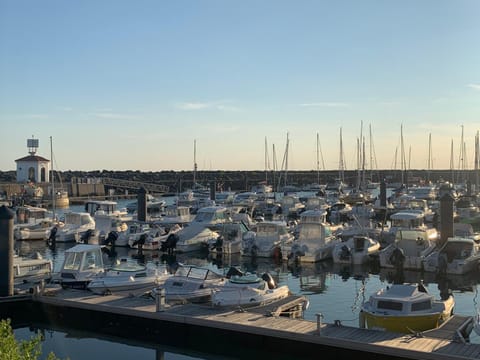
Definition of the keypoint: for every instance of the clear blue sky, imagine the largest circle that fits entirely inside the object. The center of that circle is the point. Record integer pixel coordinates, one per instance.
(132, 84)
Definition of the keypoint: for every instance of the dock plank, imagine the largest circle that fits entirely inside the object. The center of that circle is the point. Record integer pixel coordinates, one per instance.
(434, 344)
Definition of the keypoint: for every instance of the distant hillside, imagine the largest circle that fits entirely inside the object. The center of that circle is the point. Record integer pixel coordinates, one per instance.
(244, 180)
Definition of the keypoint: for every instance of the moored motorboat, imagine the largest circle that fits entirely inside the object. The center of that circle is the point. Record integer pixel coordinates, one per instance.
(359, 249)
(31, 269)
(243, 290)
(458, 255)
(128, 276)
(190, 284)
(82, 262)
(405, 308)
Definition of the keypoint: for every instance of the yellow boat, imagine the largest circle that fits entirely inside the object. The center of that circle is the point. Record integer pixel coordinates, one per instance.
(405, 308)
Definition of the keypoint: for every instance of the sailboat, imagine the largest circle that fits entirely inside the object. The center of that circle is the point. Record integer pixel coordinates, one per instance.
(59, 196)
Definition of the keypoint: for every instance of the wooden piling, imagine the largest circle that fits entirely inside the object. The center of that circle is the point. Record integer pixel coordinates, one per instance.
(6, 251)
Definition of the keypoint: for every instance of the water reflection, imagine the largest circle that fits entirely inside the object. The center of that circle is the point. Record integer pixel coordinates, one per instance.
(336, 290)
(81, 345)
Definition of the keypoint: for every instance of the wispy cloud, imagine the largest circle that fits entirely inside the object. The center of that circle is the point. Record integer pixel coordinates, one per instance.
(325, 104)
(193, 106)
(474, 86)
(34, 116)
(215, 105)
(115, 116)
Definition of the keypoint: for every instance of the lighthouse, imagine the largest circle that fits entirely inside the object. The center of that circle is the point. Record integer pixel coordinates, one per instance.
(33, 168)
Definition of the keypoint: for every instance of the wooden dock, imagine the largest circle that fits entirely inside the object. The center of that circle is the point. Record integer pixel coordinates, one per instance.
(260, 327)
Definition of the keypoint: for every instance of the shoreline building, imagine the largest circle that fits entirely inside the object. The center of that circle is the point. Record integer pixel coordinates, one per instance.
(33, 168)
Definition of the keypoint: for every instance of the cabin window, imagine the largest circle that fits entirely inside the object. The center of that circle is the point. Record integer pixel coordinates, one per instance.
(42, 175)
(390, 305)
(92, 261)
(424, 305)
(73, 261)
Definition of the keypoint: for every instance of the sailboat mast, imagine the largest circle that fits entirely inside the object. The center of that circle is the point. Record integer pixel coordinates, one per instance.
(274, 166)
(194, 162)
(403, 159)
(52, 180)
(451, 162)
(430, 162)
(266, 162)
(477, 161)
(285, 162)
(318, 161)
(363, 186)
(341, 165)
(461, 160)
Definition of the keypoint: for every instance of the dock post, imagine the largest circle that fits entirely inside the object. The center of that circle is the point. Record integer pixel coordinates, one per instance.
(213, 189)
(383, 194)
(446, 218)
(160, 300)
(319, 323)
(6, 251)
(142, 205)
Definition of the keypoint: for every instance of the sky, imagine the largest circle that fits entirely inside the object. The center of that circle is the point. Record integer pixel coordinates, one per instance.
(157, 85)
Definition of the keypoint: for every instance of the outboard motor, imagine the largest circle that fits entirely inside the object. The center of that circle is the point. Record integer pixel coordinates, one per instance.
(345, 252)
(111, 238)
(86, 236)
(52, 237)
(269, 280)
(141, 240)
(218, 244)
(233, 271)
(397, 258)
(170, 243)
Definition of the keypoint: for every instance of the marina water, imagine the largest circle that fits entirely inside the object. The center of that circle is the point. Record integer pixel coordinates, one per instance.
(336, 291)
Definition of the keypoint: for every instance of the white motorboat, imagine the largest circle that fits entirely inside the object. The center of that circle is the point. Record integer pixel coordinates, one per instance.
(82, 262)
(272, 239)
(175, 214)
(37, 231)
(106, 208)
(32, 223)
(134, 230)
(458, 255)
(190, 284)
(315, 240)
(202, 229)
(246, 290)
(128, 276)
(357, 250)
(231, 238)
(153, 238)
(31, 269)
(76, 223)
(408, 251)
(408, 220)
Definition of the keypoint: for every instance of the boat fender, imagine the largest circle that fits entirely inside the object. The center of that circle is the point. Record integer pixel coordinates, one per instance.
(277, 253)
(269, 280)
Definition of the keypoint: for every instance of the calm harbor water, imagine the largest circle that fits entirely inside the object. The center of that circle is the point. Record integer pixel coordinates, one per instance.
(335, 291)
